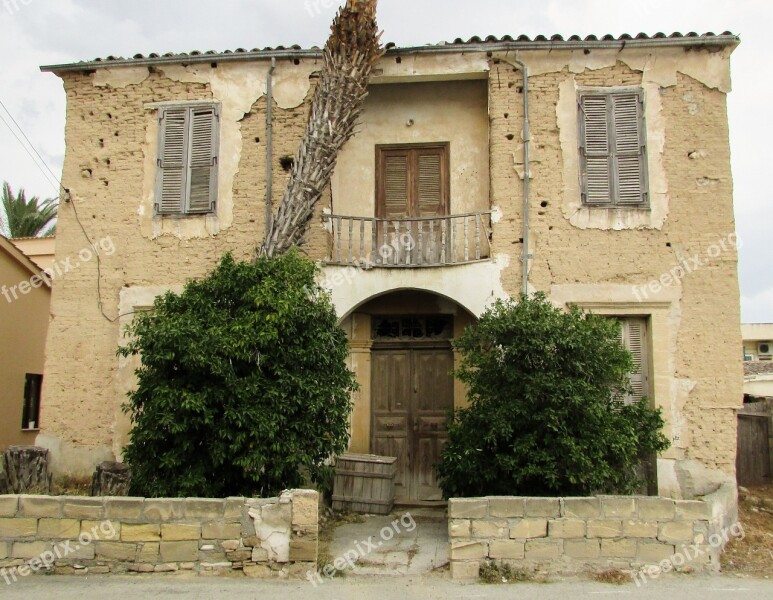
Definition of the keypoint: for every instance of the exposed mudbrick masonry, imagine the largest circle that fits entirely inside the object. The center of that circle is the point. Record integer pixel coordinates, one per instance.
(668, 260)
(260, 538)
(571, 535)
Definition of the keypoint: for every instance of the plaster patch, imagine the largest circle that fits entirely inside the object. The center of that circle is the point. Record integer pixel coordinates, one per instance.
(120, 78)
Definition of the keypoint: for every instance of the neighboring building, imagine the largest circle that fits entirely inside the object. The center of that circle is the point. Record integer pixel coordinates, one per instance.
(758, 359)
(25, 297)
(618, 195)
(39, 250)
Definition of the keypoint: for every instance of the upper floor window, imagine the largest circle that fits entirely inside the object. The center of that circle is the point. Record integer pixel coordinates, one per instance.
(613, 141)
(412, 181)
(187, 159)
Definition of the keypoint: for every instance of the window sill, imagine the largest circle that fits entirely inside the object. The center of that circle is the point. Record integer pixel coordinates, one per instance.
(36, 430)
(617, 207)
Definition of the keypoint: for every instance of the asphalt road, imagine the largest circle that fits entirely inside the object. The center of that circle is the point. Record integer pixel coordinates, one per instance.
(392, 588)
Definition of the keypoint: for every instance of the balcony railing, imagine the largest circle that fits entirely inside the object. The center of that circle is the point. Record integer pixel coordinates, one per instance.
(409, 242)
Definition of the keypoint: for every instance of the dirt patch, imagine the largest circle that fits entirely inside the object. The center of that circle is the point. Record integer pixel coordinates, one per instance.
(752, 555)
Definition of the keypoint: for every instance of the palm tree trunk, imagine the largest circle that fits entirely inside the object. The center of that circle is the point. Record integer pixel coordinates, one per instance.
(348, 59)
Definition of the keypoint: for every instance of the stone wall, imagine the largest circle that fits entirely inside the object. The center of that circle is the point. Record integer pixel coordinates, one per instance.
(572, 535)
(260, 538)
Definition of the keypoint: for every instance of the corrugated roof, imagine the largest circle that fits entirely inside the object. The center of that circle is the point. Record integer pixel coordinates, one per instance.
(758, 367)
(520, 42)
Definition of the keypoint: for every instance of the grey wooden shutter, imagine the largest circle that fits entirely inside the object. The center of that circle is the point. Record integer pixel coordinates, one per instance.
(430, 184)
(595, 150)
(634, 334)
(172, 161)
(203, 159)
(629, 157)
(395, 186)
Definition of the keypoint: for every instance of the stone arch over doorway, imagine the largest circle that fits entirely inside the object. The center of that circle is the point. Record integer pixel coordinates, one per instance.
(401, 352)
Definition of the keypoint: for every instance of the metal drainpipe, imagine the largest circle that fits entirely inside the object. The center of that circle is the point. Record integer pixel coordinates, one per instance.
(525, 256)
(269, 141)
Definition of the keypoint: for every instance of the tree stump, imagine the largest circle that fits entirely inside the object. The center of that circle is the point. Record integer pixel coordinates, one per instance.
(3, 483)
(26, 469)
(111, 479)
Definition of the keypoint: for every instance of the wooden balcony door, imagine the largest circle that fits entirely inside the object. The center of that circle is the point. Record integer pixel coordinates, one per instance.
(412, 392)
(412, 181)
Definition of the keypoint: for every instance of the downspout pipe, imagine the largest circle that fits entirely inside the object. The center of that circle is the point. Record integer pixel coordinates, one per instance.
(526, 255)
(269, 142)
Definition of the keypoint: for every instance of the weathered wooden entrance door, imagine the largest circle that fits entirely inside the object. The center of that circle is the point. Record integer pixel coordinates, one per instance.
(412, 391)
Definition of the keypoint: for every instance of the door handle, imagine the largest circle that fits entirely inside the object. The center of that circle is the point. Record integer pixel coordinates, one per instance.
(416, 423)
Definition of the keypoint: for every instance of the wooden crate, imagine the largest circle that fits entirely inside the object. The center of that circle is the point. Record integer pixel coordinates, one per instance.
(364, 483)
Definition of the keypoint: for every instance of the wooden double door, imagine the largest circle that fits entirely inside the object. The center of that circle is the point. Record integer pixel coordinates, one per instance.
(412, 394)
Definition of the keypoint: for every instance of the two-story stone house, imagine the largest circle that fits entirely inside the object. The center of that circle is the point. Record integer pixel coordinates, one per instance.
(596, 170)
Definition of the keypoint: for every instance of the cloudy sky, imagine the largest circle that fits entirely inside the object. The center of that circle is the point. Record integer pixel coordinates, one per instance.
(37, 32)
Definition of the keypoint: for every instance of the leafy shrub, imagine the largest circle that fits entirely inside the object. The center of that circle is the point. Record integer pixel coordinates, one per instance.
(546, 416)
(243, 387)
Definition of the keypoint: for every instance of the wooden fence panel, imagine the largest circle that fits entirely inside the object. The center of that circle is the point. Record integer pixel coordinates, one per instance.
(753, 458)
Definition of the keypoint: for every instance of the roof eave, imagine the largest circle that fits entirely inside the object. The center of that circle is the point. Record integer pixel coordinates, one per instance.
(724, 40)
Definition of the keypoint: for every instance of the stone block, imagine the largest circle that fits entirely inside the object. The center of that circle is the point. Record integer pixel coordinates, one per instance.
(240, 555)
(468, 550)
(467, 508)
(124, 509)
(652, 553)
(543, 549)
(693, 510)
(618, 548)
(18, 528)
(3, 550)
(604, 528)
(203, 508)
(506, 507)
(259, 555)
(581, 508)
(566, 528)
(163, 510)
(218, 530)
(258, 571)
(123, 552)
(230, 545)
(103, 530)
(616, 506)
(506, 549)
(656, 509)
(59, 529)
(486, 528)
(676, 532)
(459, 528)
(140, 533)
(40, 506)
(180, 533)
(78, 551)
(542, 507)
(148, 552)
(9, 506)
(301, 551)
(234, 509)
(528, 528)
(29, 550)
(581, 549)
(640, 529)
(305, 508)
(83, 508)
(465, 569)
(178, 551)
(167, 568)
(143, 568)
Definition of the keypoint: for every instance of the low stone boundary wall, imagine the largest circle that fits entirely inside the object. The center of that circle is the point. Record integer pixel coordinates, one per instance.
(571, 535)
(262, 538)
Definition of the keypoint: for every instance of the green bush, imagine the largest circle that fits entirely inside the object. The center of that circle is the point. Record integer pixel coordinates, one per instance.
(243, 387)
(546, 416)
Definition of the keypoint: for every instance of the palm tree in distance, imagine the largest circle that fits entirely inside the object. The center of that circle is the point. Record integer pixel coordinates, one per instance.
(26, 218)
